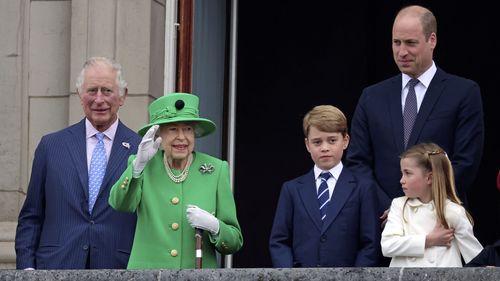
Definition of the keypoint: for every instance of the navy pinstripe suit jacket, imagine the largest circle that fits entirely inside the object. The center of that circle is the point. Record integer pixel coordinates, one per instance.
(55, 229)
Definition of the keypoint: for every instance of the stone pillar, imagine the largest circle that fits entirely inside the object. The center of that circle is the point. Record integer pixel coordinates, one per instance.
(129, 31)
(44, 46)
(35, 67)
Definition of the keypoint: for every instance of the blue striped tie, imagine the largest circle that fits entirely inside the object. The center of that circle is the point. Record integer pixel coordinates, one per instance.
(323, 194)
(97, 170)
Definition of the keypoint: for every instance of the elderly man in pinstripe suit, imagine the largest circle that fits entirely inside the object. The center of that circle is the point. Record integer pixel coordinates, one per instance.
(59, 227)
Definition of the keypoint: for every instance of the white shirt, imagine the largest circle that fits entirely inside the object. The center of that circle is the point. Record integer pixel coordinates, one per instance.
(332, 181)
(404, 239)
(421, 88)
(109, 136)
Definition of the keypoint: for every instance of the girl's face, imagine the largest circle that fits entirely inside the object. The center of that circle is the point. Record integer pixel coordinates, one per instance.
(415, 181)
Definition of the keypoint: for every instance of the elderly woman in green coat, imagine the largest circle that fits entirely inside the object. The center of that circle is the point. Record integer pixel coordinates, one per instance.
(175, 189)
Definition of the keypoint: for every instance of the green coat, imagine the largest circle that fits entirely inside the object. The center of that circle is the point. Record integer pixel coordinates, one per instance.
(163, 237)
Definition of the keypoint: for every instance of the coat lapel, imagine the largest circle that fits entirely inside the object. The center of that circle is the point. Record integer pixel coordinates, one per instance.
(396, 111)
(431, 96)
(77, 145)
(309, 197)
(343, 189)
(118, 156)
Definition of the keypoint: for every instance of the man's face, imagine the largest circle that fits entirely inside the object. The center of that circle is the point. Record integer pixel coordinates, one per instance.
(412, 53)
(100, 96)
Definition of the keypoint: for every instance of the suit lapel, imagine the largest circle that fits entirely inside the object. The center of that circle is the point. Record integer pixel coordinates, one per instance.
(118, 156)
(77, 145)
(309, 197)
(431, 96)
(343, 189)
(396, 111)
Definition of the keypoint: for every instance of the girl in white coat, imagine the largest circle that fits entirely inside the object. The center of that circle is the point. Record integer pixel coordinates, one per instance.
(428, 227)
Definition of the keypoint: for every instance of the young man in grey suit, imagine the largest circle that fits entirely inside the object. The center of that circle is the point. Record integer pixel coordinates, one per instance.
(447, 110)
(66, 222)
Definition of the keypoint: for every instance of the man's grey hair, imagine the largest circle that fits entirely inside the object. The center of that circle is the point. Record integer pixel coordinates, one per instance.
(93, 61)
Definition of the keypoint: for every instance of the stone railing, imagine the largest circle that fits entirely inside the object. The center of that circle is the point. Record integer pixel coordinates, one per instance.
(264, 274)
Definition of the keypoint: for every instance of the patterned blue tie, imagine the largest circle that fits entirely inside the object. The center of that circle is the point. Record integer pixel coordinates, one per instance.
(97, 170)
(323, 194)
(410, 110)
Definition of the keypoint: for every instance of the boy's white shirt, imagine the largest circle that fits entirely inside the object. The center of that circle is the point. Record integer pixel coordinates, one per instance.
(332, 181)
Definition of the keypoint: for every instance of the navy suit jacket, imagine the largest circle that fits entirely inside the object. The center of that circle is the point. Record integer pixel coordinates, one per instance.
(55, 229)
(349, 236)
(451, 115)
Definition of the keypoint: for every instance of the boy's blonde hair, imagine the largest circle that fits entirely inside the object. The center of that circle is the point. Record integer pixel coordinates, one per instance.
(432, 158)
(326, 118)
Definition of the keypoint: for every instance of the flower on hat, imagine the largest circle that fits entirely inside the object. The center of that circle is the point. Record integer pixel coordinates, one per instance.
(167, 112)
(207, 168)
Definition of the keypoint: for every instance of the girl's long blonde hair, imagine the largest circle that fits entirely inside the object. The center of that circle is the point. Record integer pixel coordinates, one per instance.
(432, 158)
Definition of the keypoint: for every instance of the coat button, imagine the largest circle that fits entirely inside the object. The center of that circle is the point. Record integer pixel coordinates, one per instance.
(175, 226)
(174, 200)
(173, 253)
(85, 247)
(323, 238)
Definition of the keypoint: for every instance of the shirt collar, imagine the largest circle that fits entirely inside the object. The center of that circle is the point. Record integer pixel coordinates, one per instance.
(425, 79)
(109, 133)
(415, 202)
(335, 171)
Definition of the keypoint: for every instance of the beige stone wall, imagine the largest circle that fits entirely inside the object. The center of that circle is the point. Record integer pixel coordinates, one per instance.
(11, 111)
(43, 47)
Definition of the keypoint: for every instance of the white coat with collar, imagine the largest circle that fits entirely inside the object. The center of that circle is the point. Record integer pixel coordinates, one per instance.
(404, 239)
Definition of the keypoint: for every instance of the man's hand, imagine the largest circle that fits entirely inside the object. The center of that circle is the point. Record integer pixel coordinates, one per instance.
(439, 236)
(147, 149)
(199, 218)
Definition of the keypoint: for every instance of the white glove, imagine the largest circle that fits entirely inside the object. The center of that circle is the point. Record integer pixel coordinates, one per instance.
(199, 218)
(147, 149)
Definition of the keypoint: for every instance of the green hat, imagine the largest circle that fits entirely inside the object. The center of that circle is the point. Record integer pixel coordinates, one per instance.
(178, 107)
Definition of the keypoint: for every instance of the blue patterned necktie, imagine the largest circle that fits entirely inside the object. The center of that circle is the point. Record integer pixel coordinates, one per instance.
(97, 170)
(410, 110)
(323, 194)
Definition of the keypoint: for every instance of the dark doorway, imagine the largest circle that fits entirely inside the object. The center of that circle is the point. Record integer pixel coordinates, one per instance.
(295, 55)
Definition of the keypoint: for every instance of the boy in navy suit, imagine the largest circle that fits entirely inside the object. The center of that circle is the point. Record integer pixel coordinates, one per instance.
(326, 221)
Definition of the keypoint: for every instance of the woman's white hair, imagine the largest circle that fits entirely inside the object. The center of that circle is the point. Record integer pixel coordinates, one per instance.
(93, 61)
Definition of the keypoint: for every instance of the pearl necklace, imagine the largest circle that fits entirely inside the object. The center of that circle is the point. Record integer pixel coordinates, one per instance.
(183, 175)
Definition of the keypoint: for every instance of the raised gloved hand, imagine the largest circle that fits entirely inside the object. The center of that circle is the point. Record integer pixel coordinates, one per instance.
(199, 218)
(147, 149)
